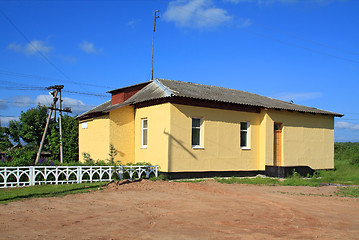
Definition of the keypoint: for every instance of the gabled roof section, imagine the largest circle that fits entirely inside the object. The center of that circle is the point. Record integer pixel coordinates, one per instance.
(153, 90)
(95, 111)
(162, 88)
(221, 94)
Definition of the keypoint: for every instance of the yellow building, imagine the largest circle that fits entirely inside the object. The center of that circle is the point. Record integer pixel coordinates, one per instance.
(190, 130)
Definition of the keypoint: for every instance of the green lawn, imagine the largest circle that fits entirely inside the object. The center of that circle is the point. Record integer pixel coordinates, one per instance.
(15, 194)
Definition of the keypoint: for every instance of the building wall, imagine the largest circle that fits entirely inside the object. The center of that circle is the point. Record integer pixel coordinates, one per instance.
(307, 139)
(221, 140)
(122, 125)
(158, 117)
(95, 139)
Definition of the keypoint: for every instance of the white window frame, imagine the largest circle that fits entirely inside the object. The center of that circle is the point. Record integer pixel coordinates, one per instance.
(200, 146)
(142, 132)
(247, 131)
(84, 125)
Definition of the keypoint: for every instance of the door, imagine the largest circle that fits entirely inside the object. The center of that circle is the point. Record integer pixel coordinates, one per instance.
(277, 158)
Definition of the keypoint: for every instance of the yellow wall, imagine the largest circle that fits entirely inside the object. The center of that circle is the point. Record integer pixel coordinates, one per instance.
(307, 139)
(158, 118)
(95, 139)
(221, 133)
(122, 125)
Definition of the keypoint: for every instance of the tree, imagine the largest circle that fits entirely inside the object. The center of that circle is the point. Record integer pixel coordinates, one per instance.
(5, 142)
(69, 140)
(30, 126)
(29, 130)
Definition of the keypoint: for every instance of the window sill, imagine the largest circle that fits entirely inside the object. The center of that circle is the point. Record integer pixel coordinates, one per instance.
(245, 148)
(143, 147)
(197, 147)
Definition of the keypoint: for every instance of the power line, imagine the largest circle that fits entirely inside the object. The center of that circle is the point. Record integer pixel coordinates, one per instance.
(24, 75)
(30, 87)
(43, 55)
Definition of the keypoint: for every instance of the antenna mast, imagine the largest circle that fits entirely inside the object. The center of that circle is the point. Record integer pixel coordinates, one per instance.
(153, 40)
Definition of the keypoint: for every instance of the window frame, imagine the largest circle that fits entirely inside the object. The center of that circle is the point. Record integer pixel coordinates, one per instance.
(200, 140)
(142, 132)
(247, 131)
(84, 125)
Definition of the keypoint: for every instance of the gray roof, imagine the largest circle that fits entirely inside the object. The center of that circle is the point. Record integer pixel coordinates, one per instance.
(99, 109)
(162, 88)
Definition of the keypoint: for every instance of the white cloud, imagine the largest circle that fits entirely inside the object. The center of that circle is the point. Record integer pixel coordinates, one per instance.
(3, 104)
(286, 96)
(195, 13)
(132, 22)
(88, 47)
(30, 48)
(77, 106)
(5, 120)
(268, 2)
(15, 47)
(346, 125)
(22, 101)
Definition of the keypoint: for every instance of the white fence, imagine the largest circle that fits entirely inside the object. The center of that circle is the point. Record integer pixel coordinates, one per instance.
(37, 175)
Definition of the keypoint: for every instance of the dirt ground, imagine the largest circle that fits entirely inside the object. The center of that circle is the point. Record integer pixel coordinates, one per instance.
(177, 210)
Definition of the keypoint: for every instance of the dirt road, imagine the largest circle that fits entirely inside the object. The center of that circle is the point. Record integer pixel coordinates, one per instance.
(172, 210)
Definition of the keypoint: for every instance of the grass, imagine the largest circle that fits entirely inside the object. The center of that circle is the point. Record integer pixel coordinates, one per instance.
(16, 194)
(348, 192)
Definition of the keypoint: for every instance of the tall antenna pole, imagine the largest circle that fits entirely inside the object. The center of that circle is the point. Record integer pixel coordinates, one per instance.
(153, 40)
(60, 128)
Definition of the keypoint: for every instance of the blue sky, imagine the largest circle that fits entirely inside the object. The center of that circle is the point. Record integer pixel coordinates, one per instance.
(306, 51)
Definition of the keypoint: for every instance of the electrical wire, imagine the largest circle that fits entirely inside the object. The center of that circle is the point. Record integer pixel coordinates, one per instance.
(45, 57)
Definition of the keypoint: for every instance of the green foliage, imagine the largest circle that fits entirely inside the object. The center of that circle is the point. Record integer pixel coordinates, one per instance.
(256, 181)
(112, 154)
(15, 194)
(347, 152)
(347, 192)
(88, 160)
(30, 126)
(5, 142)
(20, 157)
(161, 177)
(69, 140)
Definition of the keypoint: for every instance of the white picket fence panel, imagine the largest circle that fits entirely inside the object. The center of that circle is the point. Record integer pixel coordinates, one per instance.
(37, 175)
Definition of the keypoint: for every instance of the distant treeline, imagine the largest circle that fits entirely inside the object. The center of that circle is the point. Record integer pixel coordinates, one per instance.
(347, 151)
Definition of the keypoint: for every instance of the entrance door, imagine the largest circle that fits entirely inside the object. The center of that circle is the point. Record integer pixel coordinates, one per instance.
(277, 158)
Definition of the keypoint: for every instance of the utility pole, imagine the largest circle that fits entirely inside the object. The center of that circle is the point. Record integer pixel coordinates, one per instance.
(153, 40)
(57, 90)
(60, 128)
(54, 95)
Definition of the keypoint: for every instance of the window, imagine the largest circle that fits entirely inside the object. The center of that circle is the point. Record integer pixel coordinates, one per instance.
(196, 132)
(84, 125)
(244, 135)
(144, 133)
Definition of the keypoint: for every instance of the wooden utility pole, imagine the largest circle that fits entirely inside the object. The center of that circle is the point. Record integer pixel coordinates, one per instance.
(153, 40)
(54, 95)
(60, 128)
(57, 90)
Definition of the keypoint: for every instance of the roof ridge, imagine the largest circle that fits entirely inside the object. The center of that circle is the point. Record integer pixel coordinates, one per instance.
(163, 87)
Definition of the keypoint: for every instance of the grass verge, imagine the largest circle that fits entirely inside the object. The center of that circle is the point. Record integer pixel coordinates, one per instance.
(16, 194)
(347, 192)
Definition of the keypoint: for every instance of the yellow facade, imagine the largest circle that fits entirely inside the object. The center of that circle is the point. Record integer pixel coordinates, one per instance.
(221, 140)
(122, 125)
(158, 119)
(95, 137)
(307, 139)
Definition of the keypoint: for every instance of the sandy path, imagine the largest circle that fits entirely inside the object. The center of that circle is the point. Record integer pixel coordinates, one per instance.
(169, 210)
